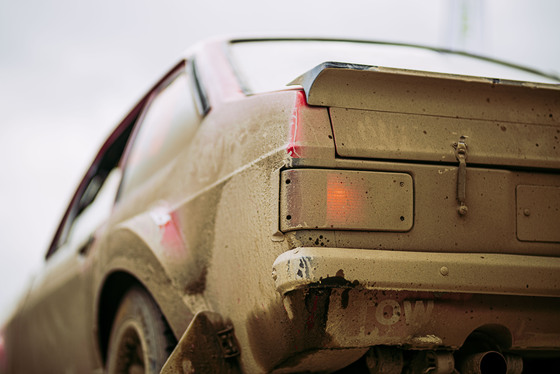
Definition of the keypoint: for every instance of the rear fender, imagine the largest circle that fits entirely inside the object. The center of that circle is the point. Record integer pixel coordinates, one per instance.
(129, 252)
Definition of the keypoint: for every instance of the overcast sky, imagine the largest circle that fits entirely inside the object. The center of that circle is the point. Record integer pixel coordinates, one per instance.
(70, 69)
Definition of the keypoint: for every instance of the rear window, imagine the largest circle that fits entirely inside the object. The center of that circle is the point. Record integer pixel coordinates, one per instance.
(270, 65)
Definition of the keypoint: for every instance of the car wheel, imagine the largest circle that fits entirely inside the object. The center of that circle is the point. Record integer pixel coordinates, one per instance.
(140, 340)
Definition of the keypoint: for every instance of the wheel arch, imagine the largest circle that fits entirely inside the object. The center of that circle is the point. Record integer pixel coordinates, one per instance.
(114, 288)
(123, 269)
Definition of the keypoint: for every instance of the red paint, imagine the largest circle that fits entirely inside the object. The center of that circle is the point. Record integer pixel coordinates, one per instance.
(217, 75)
(294, 147)
(171, 234)
(3, 365)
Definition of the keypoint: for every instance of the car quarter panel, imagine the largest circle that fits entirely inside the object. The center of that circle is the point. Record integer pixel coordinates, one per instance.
(211, 215)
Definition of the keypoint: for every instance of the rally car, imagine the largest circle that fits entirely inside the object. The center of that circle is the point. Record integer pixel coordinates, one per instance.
(298, 205)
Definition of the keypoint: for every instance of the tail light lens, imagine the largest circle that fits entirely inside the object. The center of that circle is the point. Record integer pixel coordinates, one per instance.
(346, 200)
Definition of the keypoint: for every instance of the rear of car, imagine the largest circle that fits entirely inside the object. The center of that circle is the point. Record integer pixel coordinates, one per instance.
(391, 211)
(433, 234)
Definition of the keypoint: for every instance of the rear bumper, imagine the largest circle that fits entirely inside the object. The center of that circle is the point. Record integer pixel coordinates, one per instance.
(362, 298)
(473, 273)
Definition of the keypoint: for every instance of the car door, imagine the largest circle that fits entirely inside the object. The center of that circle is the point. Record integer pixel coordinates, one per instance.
(56, 320)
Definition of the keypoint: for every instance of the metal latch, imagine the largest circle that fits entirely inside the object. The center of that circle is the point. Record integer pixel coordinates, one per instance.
(227, 342)
(461, 155)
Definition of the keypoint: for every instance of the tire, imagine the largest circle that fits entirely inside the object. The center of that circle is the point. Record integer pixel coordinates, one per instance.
(140, 340)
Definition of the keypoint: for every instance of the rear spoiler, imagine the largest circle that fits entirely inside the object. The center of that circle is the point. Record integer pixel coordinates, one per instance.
(335, 84)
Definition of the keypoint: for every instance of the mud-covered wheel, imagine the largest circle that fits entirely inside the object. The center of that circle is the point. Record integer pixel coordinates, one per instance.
(140, 340)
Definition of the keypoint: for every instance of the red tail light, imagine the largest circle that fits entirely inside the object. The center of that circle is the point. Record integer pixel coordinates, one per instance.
(294, 147)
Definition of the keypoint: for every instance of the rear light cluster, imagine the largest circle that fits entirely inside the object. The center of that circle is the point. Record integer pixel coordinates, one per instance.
(346, 200)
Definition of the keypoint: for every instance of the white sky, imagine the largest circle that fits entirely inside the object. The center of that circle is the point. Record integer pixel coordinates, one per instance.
(70, 69)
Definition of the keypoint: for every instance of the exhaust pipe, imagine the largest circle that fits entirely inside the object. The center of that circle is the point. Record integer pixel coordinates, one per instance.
(386, 360)
(514, 364)
(491, 362)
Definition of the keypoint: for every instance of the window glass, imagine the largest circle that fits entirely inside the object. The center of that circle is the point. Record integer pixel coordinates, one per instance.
(270, 65)
(99, 207)
(95, 197)
(167, 126)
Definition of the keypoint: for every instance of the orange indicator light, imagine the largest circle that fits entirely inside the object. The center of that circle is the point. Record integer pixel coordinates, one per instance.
(345, 200)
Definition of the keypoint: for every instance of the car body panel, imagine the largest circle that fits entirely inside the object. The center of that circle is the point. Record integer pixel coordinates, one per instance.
(415, 92)
(421, 320)
(178, 243)
(57, 305)
(431, 139)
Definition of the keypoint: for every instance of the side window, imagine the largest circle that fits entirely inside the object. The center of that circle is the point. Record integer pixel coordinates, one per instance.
(99, 196)
(167, 125)
(95, 197)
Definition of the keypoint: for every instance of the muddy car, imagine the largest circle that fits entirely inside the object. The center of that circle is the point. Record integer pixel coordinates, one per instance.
(311, 206)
